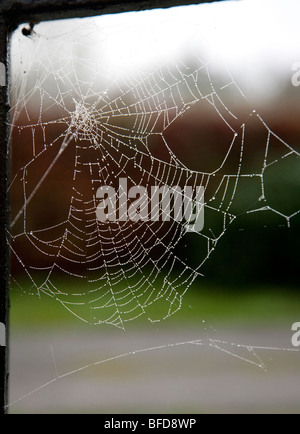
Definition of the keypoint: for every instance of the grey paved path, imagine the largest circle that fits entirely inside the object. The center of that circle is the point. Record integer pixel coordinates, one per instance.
(212, 377)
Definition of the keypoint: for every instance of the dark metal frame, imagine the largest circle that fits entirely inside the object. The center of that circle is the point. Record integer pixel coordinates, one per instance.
(13, 13)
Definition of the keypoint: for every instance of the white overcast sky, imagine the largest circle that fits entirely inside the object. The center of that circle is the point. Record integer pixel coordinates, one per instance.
(258, 39)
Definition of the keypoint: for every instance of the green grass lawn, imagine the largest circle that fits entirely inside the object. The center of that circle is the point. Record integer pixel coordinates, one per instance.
(213, 304)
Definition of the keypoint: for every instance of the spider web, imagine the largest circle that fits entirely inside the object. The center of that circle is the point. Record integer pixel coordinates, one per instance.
(77, 124)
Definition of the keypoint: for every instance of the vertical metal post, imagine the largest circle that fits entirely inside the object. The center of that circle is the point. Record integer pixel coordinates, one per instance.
(4, 221)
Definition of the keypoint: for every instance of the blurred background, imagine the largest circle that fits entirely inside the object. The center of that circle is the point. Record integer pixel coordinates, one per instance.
(215, 64)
